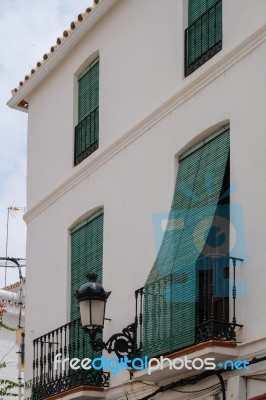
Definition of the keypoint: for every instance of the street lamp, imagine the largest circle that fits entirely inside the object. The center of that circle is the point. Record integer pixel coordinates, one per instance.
(92, 299)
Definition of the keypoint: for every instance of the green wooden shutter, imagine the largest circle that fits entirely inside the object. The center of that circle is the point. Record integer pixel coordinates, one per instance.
(87, 130)
(86, 255)
(170, 290)
(205, 27)
(198, 7)
(88, 90)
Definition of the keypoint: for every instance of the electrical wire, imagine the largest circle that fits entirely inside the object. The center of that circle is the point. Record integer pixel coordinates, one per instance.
(199, 395)
(8, 352)
(192, 380)
(213, 387)
(197, 378)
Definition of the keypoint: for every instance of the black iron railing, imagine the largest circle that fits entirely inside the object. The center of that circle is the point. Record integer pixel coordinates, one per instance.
(216, 275)
(52, 373)
(214, 305)
(139, 297)
(203, 38)
(86, 136)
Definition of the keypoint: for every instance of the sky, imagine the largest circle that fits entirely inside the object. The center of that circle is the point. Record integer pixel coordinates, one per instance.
(28, 28)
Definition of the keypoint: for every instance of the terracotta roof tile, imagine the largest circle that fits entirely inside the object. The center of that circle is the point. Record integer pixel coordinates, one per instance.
(53, 48)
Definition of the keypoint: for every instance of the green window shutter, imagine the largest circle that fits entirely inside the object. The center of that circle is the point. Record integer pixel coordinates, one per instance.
(88, 83)
(198, 7)
(87, 130)
(204, 29)
(86, 257)
(170, 290)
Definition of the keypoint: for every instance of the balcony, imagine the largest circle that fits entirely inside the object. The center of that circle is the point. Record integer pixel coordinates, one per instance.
(49, 378)
(203, 38)
(210, 315)
(86, 136)
(210, 327)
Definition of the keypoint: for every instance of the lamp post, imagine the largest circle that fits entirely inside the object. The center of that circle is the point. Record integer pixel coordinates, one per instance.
(92, 300)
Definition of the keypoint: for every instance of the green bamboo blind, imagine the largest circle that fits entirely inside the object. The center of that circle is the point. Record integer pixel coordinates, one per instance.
(170, 290)
(86, 255)
(88, 99)
(198, 7)
(204, 32)
(87, 130)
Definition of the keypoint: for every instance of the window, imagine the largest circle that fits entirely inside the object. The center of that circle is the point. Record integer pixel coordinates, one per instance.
(87, 130)
(213, 273)
(86, 254)
(173, 305)
(203, 37)
(86, 257)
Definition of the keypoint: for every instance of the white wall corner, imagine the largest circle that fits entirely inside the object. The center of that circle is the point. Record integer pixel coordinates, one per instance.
(236, 388)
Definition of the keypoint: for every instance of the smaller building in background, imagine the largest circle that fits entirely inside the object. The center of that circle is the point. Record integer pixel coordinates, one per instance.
(12, 338)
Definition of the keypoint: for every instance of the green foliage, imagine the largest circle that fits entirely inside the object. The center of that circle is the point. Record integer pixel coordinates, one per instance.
(2, 325)
(6, 386)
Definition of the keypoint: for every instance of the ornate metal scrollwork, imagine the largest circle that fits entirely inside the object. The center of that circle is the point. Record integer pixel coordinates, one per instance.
(122, 344)
(69, 381)
(203, 58)
(213, 329)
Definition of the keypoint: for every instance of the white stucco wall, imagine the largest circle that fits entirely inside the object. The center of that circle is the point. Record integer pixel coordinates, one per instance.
(141, 67)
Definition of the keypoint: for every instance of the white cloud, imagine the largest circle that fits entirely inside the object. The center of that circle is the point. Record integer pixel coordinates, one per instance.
(28, 28)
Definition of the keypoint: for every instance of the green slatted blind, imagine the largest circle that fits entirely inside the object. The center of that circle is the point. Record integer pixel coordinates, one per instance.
(88, 83)
(204, 32)
(198, 7)
(170, 290)
(87, 130)
(86, 255)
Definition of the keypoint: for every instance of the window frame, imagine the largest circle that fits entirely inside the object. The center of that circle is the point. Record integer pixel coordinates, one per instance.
(194, 31)
(86, 133)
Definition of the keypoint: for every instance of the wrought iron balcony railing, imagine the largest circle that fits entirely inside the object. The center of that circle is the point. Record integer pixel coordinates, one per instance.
(203, 38)
(49, 377)
(216, 275)
(213, 308)
(86, 136)
(157, 318)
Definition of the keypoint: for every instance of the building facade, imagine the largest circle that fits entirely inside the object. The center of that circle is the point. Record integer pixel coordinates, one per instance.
(12, 339)
(145, 166)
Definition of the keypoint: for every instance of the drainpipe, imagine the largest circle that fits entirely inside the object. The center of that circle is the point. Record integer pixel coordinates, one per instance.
(10, 296)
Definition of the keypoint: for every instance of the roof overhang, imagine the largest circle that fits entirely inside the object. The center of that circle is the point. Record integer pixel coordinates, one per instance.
(18, 100)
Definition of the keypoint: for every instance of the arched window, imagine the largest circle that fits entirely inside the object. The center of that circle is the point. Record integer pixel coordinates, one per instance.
(172, 303)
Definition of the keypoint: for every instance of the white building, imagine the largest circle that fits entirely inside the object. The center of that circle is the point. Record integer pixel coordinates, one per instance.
(10, 339)
(118, 129)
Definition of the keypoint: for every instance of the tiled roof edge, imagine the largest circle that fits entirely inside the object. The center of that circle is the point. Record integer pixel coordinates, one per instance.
(53, 48)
